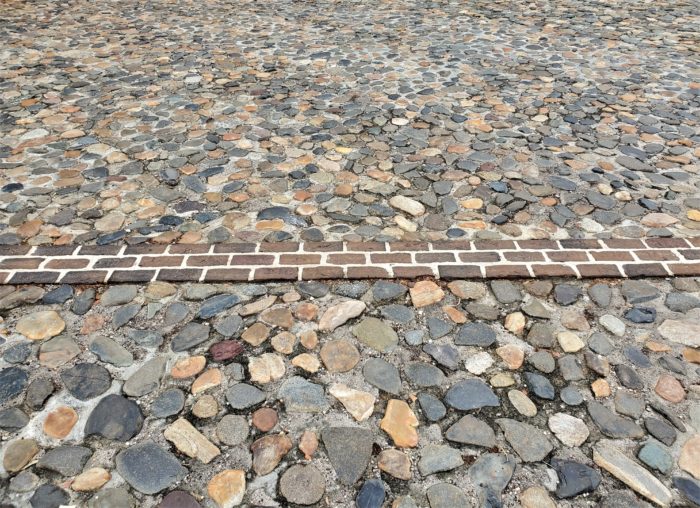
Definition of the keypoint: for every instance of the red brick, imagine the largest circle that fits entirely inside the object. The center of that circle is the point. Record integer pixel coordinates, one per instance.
(226, 274)
(507, 271)
(412, 272)
(34, 277)
(155, 261)
(656, 255)
(623, 243)
(115, 262)
(612, 255)
(435, 257)
(519, 255)
(645, 270)
(322, 246)
(598, 270)
(538, 244)
(685, 270)
(229, 248)
(694, 241)
(3, 277)
(252, 259)
(67, 264)
(99, 250)
(21, 263)
(132, 275)
(567, 255)
(14, 250)
(459, 272)
(345, 259)
(666, 243)
(690, 254)
(284, 273)
(394, 257)
(189, 248)
(300, 259)
(366, 272)
(206, 260)
(278, 247)
(85, 277)
(580, 244)
(179, 274)
(322, 272)
(55, 250)
(494, 244)
(553, 270)
(408, 246)
(365, 246)
(452, 245)
(145, 248)
(479, 257)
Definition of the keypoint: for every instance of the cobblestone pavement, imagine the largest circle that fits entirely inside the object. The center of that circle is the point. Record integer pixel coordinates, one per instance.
(534, 394)
(218, 121)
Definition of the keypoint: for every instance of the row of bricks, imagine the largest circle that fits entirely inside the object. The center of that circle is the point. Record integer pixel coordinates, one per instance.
(252, 260)
(447, 272)
(446, 245)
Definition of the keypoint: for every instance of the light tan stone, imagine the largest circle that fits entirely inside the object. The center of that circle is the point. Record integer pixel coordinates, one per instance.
(190, 441)
(209, 379)
(358, 403)
(227, 488)
(60, 422)
(396, 463)
(669, 388)
(515, 323)
(338, 315)
(512, 355)
(690, 456)
(536, 497)
(400, 423)
(426, 292)
(41, 325)
(307, 361)
(266, 368)
(91, 479)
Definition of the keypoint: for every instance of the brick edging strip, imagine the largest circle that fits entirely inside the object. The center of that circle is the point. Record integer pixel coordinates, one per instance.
(452, 259)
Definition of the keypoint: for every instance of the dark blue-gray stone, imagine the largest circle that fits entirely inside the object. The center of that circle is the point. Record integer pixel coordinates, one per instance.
(168, 403)
(49, 496)
(628, 377)
(689, 488)
(371, 494)
(66, 460)
(190, 336)
(641, 315)
(243, 396)
(384, 291)
(349, 450)
(398, 313)
(12, 382)
(438, 327)
(444, 354)
(13, 418)
(574, 478)
(611, 424)
(149, 468)
(567, 294)
(17, 353)
(571, 396)
(315, 289)
(471, 394)
(661, 430)
(656, 456)
(433, 408)
(540, 386)
(216, 304)
(59, 295)
(115, 417)
(125, 314)
(637, 357)
(424, 374)
(83, 301)
(229, 326)
(475, 334)
(85, 381)
(383, 375)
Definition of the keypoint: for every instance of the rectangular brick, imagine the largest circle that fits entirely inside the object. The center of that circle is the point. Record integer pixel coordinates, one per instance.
(14, 250)
(345, 259)
(189, 248)
(55, 250)
(521, 256)
(67, 264)
(34, 277)
(3, 277)
(645, 270)
(145, 248)
(690, 253)
(132, 275)
(226, 274)
(435, 257)
(580, 244)
(452, 245)
(279, 247)
(553, 270)
(179, 274)
(21, 263)
(494, 244)
(623, 243)
(155, 261)
(656, 255)
(322, 247)
(99, 250)
(612, 255)
(300, 259)
(479, 257)
(408, 246)
(282, 273)
(685, 270)
(365, 247)
(449, 272)
(393, 257)
(666, 243)
(322, 272)
(538, 244)
(85, 277)
(366, 272)
(115, 262)
(412, 272)
(207, 260)
(694, 241)
(233, 248)
(567, 255)
(252, 259)
(598, 270)
(507, 271)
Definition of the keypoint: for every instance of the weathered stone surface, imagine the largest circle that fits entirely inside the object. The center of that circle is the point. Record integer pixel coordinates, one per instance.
(190, 441)
(395, 463)
(268, 451)
(41, 325)
(349, 450)
(358, 403)
(689, 459)
(376, 334)
(400, 423)
(302, 485)
(302, 396)
(471, 394)
(149, 468)
(115, 417)
(227, 488)
(472, 431)
(339, 355)
(438, 458)
(528, 441)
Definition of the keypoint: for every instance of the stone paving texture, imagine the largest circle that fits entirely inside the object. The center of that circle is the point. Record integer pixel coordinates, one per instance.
(265, 121)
